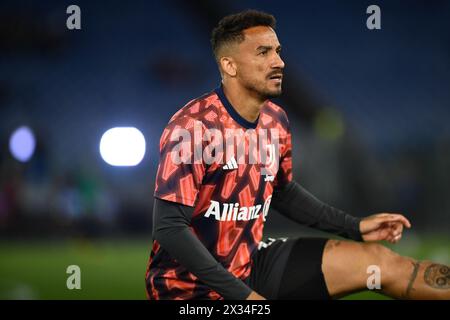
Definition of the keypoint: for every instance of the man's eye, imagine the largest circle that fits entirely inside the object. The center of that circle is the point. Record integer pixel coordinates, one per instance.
(263, 53)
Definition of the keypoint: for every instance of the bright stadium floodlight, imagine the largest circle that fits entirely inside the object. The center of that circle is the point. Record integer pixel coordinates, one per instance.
(122, 146)
(22, 144)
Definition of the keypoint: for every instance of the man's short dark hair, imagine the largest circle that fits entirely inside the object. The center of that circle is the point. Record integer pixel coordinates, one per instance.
(230, 28)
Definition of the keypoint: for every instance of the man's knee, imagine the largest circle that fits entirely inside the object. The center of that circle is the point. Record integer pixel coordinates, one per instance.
(391, 264)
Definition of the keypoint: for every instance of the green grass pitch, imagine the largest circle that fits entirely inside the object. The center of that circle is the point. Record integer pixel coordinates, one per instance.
(115, 269)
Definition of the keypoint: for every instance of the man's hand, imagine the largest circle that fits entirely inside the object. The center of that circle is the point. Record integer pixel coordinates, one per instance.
(383, 226)
(254, 296)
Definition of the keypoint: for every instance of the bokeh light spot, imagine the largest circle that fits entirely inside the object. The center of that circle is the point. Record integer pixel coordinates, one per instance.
(329, 124)
(22, 144)
(122, 146)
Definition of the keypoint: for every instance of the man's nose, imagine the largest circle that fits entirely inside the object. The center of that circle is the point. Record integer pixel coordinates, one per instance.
(278, 63)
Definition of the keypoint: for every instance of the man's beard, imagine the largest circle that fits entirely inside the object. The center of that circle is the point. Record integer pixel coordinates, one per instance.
(273, 94)
(263, 92)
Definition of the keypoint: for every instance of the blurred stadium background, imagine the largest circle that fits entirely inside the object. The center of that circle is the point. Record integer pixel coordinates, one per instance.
(369, 112)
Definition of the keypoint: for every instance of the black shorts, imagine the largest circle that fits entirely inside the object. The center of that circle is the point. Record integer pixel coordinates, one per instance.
(289, 269)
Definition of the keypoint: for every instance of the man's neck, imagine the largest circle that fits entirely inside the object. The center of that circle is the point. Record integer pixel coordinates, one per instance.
(246, 105)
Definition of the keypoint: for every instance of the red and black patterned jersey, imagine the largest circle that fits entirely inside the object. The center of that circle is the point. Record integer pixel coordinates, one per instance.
(225, 167)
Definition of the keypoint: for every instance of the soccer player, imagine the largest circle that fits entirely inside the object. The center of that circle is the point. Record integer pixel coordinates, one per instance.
(211, 201)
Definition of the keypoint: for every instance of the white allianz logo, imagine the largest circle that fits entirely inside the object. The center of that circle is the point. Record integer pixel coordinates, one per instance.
(235, 212)
(231, 164)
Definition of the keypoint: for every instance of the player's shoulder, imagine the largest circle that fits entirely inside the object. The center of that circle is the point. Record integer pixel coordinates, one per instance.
(203, 109)
(276, 113)
(199, 113)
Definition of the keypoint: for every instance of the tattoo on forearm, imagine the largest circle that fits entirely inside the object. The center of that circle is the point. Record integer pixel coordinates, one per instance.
(413, 277)
(437, 276)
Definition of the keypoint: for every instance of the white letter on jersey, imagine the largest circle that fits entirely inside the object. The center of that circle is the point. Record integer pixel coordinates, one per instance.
(266, 207)
(214, 209)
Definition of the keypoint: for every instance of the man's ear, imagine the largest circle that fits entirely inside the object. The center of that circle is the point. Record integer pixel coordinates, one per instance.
(228, 66)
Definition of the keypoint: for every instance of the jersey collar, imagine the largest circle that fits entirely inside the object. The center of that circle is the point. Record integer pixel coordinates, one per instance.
(232, 111)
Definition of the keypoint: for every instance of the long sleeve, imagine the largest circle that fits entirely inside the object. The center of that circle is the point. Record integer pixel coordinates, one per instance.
(296, 203)
(171, 229)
